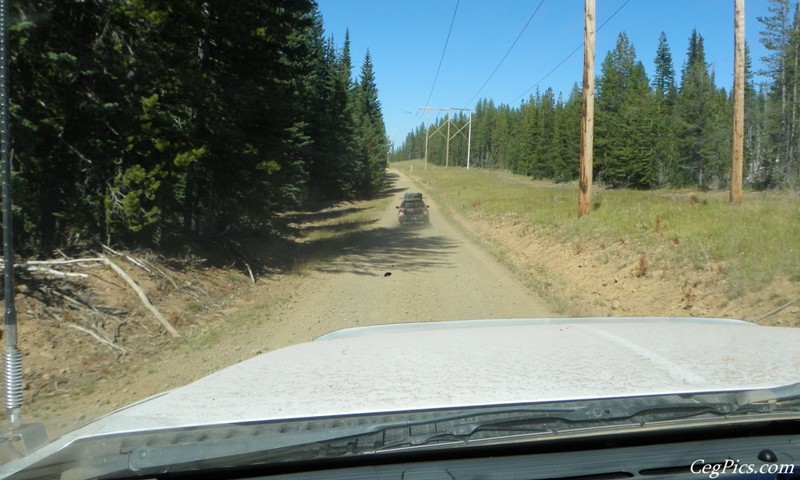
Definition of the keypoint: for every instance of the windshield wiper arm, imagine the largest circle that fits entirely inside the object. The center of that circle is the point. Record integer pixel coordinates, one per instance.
(552, 424)
(622, 413)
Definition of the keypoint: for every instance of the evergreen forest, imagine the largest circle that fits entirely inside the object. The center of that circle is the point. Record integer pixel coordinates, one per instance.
(134, 121)
(670, 130)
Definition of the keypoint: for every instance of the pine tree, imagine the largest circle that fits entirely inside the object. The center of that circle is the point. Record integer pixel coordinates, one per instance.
(701, 113)
(664, 78)
(567, 137)
(483, 126)
(624, 152)
(776, 38)
(528, 142)
(334, 169)
(665, 91)
(372, 131)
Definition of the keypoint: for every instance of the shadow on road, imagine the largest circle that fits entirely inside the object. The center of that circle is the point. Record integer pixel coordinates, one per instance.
(377, 251)
(323, 237)
(383, 250)
(390, 189)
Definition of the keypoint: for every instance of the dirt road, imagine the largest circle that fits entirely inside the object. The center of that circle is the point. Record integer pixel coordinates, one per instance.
(409, 273)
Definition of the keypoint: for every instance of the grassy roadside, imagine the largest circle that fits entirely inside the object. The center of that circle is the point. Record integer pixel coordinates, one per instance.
(748, 247)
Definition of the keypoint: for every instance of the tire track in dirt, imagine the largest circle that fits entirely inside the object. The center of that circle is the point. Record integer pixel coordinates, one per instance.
(409, 273)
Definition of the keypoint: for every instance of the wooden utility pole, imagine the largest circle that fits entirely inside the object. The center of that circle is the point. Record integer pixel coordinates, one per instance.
(587, 121)
(737, 147)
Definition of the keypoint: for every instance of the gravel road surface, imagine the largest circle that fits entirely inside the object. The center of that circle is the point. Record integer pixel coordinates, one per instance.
(408, 273)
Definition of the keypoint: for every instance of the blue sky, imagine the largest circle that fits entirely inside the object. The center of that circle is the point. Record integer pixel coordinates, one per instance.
(406, 39)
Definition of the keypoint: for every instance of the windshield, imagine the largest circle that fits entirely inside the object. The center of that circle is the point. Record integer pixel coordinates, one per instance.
(195, 184)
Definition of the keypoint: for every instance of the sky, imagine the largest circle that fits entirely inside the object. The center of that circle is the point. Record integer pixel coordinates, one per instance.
(442, 53)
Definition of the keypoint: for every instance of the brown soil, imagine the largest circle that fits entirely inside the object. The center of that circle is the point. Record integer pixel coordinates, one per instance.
(379, 273)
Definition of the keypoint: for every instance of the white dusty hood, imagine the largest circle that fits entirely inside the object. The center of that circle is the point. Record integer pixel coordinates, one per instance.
(491, 362)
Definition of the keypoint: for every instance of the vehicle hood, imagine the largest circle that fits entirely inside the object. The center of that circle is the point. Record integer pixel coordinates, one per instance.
(461, 364)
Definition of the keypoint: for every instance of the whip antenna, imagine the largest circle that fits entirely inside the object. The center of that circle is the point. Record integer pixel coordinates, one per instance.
(29, 437)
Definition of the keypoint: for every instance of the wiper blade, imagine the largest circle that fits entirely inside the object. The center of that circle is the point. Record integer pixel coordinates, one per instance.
(525, 427)
(613, 413)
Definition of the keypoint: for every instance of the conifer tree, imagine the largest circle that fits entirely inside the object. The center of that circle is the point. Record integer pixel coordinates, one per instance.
(700, 113)
(624, 153)
(374, 145)
(665, 91)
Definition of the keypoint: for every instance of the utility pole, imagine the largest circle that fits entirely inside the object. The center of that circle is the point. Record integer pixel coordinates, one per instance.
(737, 147)
(448, 136)
(427, 129)
(587, 120)
(469, 138)
(447, 146)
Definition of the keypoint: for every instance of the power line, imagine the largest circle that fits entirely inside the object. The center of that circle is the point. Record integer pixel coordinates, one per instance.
(443, 51)
(570, 54)
(506, 55)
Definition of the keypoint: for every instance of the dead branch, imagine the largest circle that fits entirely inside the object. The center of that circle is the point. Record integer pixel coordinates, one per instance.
(163, 274)
(53, 263)
(229, 245)
(782, 307)
(76, 302)
(45, 267)
(252, 278)
(132, 260)
(145, 265)
(96, 337)
(145, 301)
(53, 273)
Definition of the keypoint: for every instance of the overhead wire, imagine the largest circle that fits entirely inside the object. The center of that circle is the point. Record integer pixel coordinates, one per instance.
(570, 54)
(441, 59)
(507, 52)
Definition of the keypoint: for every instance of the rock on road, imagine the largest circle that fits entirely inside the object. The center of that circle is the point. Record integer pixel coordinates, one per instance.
(408, 273)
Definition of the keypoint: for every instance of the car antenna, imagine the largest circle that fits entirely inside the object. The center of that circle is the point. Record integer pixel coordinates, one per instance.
(32, 436)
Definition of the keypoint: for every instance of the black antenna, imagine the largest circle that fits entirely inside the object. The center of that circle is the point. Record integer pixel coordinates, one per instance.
(29, 436)
(12, 357)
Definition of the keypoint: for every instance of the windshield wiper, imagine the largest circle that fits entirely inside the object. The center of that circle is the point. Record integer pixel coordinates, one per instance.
(525, 427)
(621, 413)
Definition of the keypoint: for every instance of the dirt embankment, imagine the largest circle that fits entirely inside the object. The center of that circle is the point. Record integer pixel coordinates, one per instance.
(91, 347)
